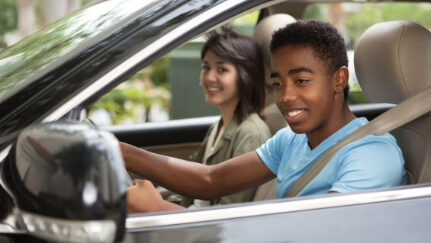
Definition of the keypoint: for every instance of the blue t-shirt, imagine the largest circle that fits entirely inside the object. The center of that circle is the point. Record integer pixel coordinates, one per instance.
(369, 163)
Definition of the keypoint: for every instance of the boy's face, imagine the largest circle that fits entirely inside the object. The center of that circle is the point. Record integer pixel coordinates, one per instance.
(305, 92)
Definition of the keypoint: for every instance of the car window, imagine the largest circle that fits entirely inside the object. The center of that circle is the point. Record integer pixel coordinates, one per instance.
(352, 19)
(164, 90)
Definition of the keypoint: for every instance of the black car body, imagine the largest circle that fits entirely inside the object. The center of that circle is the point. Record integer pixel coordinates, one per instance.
(59, 71)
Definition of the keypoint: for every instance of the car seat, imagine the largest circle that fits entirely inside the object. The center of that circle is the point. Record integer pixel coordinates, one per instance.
(263, 35)
(271, 114)
(392, 63)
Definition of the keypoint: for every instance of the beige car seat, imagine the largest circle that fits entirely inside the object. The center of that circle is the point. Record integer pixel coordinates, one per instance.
(392, 63)
(262, 35)
(272, 116)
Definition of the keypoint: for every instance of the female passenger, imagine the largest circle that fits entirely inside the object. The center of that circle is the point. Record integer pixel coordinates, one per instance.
(232, 79)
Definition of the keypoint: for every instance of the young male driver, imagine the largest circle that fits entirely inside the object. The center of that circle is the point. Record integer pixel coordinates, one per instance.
(311, 77)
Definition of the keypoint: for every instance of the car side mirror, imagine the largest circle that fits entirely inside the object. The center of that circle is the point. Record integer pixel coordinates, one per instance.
(68, 182)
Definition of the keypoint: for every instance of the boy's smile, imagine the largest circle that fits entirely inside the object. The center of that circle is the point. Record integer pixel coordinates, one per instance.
(307, 96)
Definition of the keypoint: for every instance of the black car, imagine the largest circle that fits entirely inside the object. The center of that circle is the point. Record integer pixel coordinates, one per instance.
(62, 177)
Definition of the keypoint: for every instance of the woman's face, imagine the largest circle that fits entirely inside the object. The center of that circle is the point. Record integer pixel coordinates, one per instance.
(219, 81)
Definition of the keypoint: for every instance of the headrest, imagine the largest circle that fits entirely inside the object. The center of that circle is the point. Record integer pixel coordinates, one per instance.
(263, 35)
(393, 61)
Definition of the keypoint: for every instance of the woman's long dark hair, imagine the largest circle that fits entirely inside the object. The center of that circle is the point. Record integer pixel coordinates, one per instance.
(246, 56)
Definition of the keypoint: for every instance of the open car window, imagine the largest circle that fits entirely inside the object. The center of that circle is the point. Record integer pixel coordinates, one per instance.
(145, 97)
(166, 89)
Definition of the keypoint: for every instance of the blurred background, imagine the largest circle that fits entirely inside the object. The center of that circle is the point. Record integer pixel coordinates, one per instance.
(169, 88)
(20, 18)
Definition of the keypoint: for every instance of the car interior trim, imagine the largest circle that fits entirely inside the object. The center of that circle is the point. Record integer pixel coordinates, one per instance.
(143, 222)
(3, 155)
(9, 225)
(164, 124)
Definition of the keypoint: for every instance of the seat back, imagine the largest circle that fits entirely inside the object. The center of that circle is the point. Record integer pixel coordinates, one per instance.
(272, 116)
(392, 63)
(262, 35)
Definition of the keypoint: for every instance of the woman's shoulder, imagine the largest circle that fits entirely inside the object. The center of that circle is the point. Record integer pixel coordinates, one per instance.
(254, 124)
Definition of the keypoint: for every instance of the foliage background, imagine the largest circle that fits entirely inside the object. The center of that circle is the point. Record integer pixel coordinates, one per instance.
(8, 18)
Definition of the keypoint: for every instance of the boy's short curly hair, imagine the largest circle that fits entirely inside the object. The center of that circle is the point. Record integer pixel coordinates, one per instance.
(326, 41)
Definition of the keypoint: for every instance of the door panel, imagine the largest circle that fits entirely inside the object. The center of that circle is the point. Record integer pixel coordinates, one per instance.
(177, 138)
(181, 151)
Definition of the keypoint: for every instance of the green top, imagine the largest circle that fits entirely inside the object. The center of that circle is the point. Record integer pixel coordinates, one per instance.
(236, 140)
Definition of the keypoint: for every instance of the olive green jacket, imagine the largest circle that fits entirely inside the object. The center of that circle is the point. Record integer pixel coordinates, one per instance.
(236, 140)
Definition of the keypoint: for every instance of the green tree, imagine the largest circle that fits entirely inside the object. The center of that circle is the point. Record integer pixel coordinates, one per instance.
(85, 2)
(8, 17)
(373, 13)
(316, 11)
(159, 74)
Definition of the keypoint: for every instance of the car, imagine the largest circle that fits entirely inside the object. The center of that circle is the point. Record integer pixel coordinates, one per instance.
(51, 77)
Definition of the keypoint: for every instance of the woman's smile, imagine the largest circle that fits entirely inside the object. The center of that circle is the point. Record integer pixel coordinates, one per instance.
(219, 80)
(213, 89)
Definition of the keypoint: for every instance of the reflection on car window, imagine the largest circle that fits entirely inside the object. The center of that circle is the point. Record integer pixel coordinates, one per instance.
(165, 90)
(20, 62)
(352, 19)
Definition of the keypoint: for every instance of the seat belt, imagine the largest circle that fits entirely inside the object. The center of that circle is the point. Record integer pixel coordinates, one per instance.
(405, 112)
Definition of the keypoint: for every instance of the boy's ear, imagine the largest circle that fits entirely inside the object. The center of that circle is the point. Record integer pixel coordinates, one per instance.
(341, 79)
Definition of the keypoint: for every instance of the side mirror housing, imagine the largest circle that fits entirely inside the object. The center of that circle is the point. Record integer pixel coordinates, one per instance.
(68, 182)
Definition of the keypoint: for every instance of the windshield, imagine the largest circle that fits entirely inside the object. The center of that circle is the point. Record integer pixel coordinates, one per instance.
(20, 64)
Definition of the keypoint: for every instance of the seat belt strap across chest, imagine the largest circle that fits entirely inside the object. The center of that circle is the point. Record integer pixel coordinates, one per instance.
(403, 113)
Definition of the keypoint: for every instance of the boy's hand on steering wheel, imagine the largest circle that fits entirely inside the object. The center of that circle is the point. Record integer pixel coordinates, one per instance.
(143, 197)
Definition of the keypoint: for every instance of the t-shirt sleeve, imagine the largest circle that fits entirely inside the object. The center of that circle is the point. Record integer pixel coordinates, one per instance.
(370, 165)
(271, 152)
